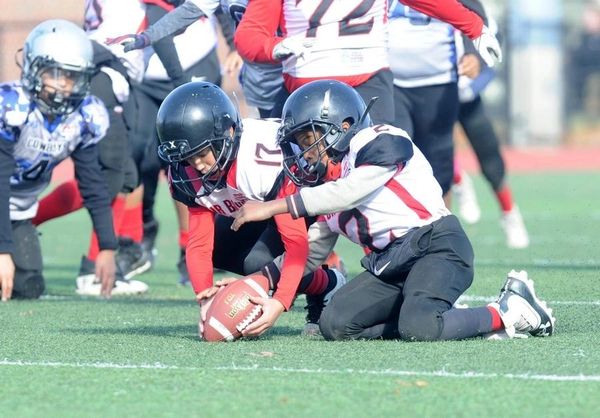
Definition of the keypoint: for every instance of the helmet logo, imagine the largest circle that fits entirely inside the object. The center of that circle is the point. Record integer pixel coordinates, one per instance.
(326, 104)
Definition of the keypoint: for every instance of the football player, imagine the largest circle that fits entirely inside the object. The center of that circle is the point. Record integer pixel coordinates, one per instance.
(261, 82)
(379, 192)
(343, 40)
(216, 163)
(44, 118)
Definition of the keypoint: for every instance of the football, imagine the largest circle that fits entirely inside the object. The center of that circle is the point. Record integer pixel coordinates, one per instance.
(231, 310)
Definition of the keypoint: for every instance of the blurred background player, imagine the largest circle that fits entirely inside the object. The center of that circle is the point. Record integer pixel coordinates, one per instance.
(423, 58)
(261, 82)
(342, 40)
(45, 118)
(171, 61)
(480, 133)
(216, 163)
(377, 189)
(112, 83)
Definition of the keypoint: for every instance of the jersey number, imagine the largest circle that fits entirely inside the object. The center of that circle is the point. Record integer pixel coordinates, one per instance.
(346, 28)
(259, 155)
(362, 226)
(34, 173)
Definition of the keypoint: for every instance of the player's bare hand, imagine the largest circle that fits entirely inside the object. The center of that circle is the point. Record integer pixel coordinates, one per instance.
(205, 299)
(232, 63)
(7, 276)
(250, 212)
(105, 271)
(469, 66)
(225, 281)
(271, 310)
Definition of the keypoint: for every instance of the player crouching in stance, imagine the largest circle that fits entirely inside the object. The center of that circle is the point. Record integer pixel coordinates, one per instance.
(214, 167)
(379, 191)
(44, 119)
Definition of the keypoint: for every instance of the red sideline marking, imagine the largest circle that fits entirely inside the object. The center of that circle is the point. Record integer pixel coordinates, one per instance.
(521, 160)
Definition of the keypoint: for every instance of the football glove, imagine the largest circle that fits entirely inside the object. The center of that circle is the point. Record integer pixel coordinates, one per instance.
(130, 41)
(291, 47)
(488, 47)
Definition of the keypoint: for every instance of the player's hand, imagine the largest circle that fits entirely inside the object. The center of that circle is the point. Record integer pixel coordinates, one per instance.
(292, 46)
(271, 310)
(205, 299)
(251, 211)
(232, 63)
(130, 42)
(7, 276)
(488, 47)
(469, 66)
(105, 271)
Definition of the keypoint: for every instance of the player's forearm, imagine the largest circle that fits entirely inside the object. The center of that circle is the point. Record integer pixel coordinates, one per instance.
(255, 36)
(95, 195)
(199, 248)
(174, 21)
(7, 164)
(450, 11)
(341, 194)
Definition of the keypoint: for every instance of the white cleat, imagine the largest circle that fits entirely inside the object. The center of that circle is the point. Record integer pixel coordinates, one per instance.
(514, 229)
(520, 309)
(466, 199)
(87, 285)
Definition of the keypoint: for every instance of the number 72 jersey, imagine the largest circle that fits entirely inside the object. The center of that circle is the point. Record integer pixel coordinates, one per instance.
(349, 36)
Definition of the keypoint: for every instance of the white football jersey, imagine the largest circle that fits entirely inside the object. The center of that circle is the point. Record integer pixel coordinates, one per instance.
(258, 164)
(111, 18)
(349, 37)
(422, 50)
(189, 50)
(40, 146)
(412, 198)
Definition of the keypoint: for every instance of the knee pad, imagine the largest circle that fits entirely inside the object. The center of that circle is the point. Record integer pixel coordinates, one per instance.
(420, 323)
(330, 325)
(28, 285)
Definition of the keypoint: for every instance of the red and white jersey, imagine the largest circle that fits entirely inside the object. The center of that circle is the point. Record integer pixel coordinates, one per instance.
(349, 37)
(111, 18)
(254, 173)
(411, 198)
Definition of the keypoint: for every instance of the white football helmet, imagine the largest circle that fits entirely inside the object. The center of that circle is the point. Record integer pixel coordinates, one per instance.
(61, 50)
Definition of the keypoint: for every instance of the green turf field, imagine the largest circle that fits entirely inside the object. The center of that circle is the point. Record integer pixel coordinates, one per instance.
(66, 356)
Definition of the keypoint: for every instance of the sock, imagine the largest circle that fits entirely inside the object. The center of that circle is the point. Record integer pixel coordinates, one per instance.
(457, 177)
(466, 323)
(62, 200)
(132, 225)
(183, 238)
(315, 284)
(496, 320)
(505, 200)
(118, 209)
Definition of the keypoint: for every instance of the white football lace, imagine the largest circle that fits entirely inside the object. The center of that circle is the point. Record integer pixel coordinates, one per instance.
(249, 319)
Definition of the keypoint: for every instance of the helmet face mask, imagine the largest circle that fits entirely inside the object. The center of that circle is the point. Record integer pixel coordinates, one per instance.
(195, 117)
(333, 112)
(57, 66)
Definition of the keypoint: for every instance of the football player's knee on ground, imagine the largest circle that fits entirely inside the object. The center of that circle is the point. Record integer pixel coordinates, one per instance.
(28, 285)
(334, 325)
(421, 319)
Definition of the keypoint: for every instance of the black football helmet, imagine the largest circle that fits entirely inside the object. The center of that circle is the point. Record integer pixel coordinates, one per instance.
(192, 117)
(322, 106)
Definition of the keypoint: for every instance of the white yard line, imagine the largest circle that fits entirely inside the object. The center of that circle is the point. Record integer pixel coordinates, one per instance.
(257, 368)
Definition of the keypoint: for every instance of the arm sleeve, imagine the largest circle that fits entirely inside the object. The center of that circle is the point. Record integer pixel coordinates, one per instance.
(199, 249)
(295, 241)
(174, 21)
(165, 48)
(450, 11)
(342, 194)
(226, 24)
(254, 37)
(95, 195)
(7, 164)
